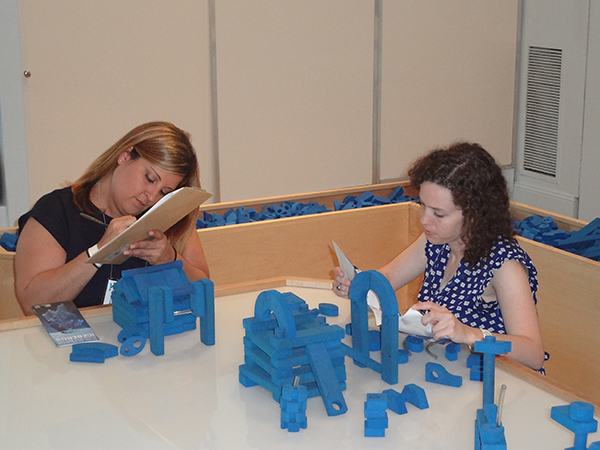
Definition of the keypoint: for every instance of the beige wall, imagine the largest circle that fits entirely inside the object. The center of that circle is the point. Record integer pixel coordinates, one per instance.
(100, 68)
(294, 84)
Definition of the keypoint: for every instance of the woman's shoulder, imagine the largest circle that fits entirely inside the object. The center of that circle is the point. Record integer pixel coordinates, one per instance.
(51, 204)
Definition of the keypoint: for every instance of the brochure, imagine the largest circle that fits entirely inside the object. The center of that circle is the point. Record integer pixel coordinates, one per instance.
(64, 323)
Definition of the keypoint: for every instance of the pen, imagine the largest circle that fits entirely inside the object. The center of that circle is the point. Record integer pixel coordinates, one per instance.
(93, 219)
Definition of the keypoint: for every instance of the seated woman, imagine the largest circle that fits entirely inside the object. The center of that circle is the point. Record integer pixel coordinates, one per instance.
(476, 278)
(130, 177)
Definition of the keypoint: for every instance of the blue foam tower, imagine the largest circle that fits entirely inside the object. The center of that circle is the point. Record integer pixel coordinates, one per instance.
(284, 341)
(153, 302)
(360, 351)
(489, 432)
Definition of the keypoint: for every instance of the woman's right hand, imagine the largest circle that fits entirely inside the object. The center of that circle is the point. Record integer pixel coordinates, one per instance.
(341, 285)
(116, 227)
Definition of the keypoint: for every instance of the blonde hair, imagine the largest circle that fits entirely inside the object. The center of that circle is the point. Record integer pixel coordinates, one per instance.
(161, 144)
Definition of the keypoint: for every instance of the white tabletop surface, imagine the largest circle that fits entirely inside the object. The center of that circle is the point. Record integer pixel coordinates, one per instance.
(190, 397)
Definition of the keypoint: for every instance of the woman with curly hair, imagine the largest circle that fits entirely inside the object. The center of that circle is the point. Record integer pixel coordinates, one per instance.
(477, 280)
(126, 180)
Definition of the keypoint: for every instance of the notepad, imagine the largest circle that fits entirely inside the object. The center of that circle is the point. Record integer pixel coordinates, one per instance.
(163, 215)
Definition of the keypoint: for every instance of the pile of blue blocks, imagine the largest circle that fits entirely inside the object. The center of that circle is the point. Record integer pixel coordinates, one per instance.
(295, 209)
(367, 198)
(285, 341)
(584, 242)
(133, 311)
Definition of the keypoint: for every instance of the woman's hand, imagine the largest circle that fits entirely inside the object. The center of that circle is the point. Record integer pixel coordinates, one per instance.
(446, 325)
(341, 284)
(116, 227)
(156, 249)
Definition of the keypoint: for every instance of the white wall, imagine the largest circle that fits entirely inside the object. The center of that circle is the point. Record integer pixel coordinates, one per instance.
(295, 85)
(13, 161)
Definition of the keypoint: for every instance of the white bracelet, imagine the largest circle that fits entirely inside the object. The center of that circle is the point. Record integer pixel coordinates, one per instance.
(485, 333)
(91, 252)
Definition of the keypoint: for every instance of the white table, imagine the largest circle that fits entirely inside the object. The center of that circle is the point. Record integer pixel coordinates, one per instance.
(190, 398)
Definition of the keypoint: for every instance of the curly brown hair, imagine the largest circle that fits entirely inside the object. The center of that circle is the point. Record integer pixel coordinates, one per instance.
(478, 189)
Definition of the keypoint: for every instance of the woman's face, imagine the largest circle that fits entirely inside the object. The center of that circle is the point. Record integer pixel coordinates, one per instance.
(442, 221)
(137, 185)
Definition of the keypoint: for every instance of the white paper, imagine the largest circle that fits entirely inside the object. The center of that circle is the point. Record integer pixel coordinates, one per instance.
(350, 270)
(410, 323)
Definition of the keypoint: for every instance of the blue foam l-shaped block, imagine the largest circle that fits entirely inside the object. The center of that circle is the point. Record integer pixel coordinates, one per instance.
(436, 373)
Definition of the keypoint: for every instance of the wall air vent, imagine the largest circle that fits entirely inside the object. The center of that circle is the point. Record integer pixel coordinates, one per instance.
(541, 110)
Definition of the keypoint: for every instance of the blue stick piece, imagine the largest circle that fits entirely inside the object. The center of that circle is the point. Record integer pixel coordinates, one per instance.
(326, 379)
(578, 417)
(329, 309)
(96, 352)
(364, 282)
(436, 373)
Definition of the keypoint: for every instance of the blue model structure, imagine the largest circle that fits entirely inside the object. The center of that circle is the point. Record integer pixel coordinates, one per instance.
(577, 417)
(157, 301)
(285, 340)
(360, 351)
(489, 432)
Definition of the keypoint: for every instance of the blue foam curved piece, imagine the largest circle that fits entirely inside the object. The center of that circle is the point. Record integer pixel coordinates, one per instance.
(273, 301)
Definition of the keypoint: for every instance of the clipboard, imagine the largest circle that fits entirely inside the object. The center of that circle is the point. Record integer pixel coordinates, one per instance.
(163, 215)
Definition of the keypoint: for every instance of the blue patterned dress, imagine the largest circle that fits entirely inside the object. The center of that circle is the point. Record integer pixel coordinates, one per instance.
(462, 294)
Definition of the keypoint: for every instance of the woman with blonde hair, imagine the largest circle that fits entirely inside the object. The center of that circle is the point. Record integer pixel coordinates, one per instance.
(55, 239)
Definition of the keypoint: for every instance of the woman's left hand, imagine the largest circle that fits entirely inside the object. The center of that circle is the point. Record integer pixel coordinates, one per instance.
(445, 324)
(155, 250)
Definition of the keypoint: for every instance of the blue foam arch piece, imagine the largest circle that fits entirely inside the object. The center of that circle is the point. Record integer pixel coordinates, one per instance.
(273, 301)
(364, 282)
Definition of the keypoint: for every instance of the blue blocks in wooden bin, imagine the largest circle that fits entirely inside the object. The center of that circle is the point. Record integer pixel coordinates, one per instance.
(577, 417)
(154, 302)
(285, 340)
(293, 407)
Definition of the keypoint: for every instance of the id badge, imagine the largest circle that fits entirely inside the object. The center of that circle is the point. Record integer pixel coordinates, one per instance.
(110, 287)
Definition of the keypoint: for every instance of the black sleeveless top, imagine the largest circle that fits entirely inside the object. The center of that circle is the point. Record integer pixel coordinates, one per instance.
(57, 213)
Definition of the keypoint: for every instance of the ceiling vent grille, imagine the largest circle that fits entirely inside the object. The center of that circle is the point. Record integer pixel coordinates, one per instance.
(541, 110)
